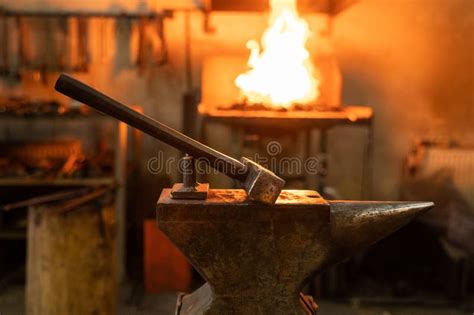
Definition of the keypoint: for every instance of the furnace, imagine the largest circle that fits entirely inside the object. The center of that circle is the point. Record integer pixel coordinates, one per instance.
(282, 88)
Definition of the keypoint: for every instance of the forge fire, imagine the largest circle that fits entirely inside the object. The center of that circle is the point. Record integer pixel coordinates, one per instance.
(281, 72)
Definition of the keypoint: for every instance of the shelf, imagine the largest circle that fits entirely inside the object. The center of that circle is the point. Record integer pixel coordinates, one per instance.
(12, 234)
(68, 116)
(18, 182)
(348, 115)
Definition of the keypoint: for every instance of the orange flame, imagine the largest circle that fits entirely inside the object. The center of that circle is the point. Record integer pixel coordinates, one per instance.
(281, 72)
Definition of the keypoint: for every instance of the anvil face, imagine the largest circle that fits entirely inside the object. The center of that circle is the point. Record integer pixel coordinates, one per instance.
(256, 258)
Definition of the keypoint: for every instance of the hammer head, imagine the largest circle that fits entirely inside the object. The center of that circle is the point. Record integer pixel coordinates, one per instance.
(261, 184)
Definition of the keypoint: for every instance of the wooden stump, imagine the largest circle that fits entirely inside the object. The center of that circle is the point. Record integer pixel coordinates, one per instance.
(71, 261)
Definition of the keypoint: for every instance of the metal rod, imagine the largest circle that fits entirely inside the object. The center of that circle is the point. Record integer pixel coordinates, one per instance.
(54, 14)
(189, 98)
(189, 172)
(323, 149)
(307, 151)
(75, 203)
(187, 54)
(45, 199)
(89, 96)
(366, 189)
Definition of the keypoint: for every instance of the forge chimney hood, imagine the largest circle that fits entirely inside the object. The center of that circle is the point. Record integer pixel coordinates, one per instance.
(331, 7)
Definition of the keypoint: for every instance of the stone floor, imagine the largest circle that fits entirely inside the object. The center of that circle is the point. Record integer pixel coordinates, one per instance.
(12, 303)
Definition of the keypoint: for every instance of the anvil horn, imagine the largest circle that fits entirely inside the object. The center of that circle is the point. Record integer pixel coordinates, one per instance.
(355, 225)
(359, 224)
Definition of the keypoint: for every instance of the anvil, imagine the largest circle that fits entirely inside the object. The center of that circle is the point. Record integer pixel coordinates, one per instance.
(256, 258)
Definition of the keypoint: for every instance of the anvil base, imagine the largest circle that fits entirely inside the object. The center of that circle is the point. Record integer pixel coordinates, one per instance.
(256, 258)
(203, 297)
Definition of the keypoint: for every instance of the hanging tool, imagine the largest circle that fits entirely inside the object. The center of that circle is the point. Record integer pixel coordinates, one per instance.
(5, 47)
(62, 47)
(161, 58)
(23, 60)
(83, 58)
(142, 45)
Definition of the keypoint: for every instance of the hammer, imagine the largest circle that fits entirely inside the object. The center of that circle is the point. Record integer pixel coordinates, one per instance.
(261, 184)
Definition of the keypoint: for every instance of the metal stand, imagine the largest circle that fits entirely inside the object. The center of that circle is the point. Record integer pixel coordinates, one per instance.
(262, 125)
(189, 188)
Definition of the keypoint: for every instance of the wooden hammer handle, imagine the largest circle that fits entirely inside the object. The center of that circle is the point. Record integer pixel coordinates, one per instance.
(89, 96)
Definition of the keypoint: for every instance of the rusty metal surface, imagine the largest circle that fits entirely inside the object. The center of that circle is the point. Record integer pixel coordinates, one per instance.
(261, 184)
(232, 206)
(239, 198)
(256, 258)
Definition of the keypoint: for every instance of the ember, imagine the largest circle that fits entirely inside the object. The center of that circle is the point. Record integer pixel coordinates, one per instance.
(292, 107)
